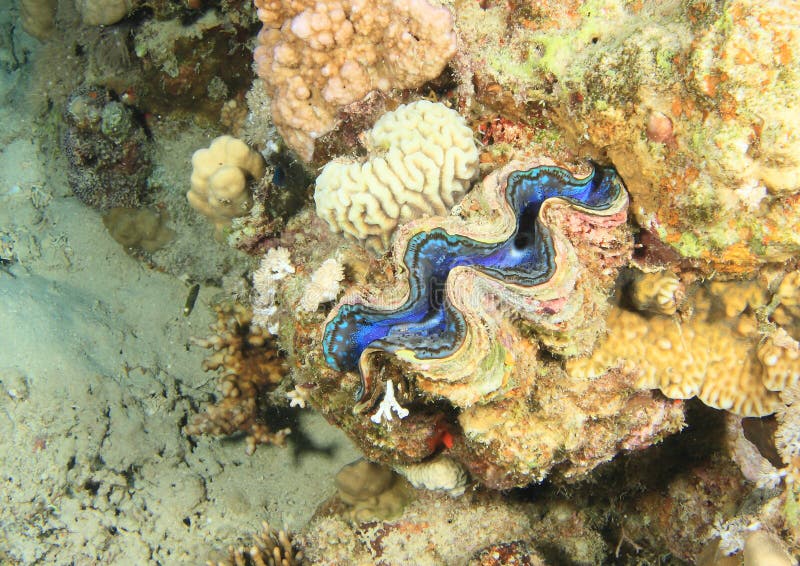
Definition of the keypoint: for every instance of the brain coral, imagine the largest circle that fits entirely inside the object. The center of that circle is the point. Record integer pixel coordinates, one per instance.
(421, 160)
(475, 312)
(317, 56)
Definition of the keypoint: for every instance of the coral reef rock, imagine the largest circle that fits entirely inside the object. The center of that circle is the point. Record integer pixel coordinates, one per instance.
(422, 158)
(220, 175)
(694, 102)
(471, 317)
(316, 57)
(108, 150)
(434, 529)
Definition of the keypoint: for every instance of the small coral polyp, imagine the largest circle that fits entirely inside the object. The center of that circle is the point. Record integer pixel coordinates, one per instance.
(464, 281)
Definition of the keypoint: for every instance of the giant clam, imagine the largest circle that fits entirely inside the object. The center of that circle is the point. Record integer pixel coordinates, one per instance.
(469, 287)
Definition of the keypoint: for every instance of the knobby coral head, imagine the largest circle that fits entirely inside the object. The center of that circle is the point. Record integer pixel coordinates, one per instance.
(465, 281)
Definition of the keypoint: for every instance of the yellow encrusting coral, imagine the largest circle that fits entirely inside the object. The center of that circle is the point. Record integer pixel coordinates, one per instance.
(659, 292)
(717, 355)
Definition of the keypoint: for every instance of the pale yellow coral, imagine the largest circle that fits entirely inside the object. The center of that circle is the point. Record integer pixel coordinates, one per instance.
(710, 360)
(219, 180)
(103, 12)
(317, 56)
(324, 285)
(422, 159)
(439, 474)
(656, 292)
(38, 17)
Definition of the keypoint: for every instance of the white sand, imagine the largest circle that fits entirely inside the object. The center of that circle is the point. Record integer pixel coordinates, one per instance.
(96, 377)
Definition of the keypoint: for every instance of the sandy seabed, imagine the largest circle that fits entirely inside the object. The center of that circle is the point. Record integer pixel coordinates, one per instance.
(97, 377)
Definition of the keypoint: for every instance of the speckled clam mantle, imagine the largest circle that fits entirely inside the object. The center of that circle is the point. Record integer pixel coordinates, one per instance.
(468, 286)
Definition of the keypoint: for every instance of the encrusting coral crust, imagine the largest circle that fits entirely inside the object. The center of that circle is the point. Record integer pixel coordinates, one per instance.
(316, 57)
(694, 102)
(717, 354)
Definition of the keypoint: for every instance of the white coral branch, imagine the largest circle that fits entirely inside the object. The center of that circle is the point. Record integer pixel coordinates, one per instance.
(388, 406)
(324, 285)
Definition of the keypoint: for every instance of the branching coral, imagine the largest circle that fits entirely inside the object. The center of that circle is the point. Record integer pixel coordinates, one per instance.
(316, 57)
(270, 547)
(250, 367)
(422, 159)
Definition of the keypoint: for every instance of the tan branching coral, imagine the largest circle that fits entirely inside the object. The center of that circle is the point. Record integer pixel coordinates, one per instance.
(220, 175)
(270, 547)
(422, 159)
(250, 366)
(722, 362)
(316, 57)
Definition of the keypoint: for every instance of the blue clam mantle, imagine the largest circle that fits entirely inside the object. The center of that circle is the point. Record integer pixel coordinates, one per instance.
(427, 324)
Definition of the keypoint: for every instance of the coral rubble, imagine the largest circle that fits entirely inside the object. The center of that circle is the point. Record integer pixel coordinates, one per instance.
(108, 150)
(317, 57)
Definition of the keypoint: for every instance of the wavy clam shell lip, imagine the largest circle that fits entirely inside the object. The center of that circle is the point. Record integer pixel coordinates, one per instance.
(461, 278)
